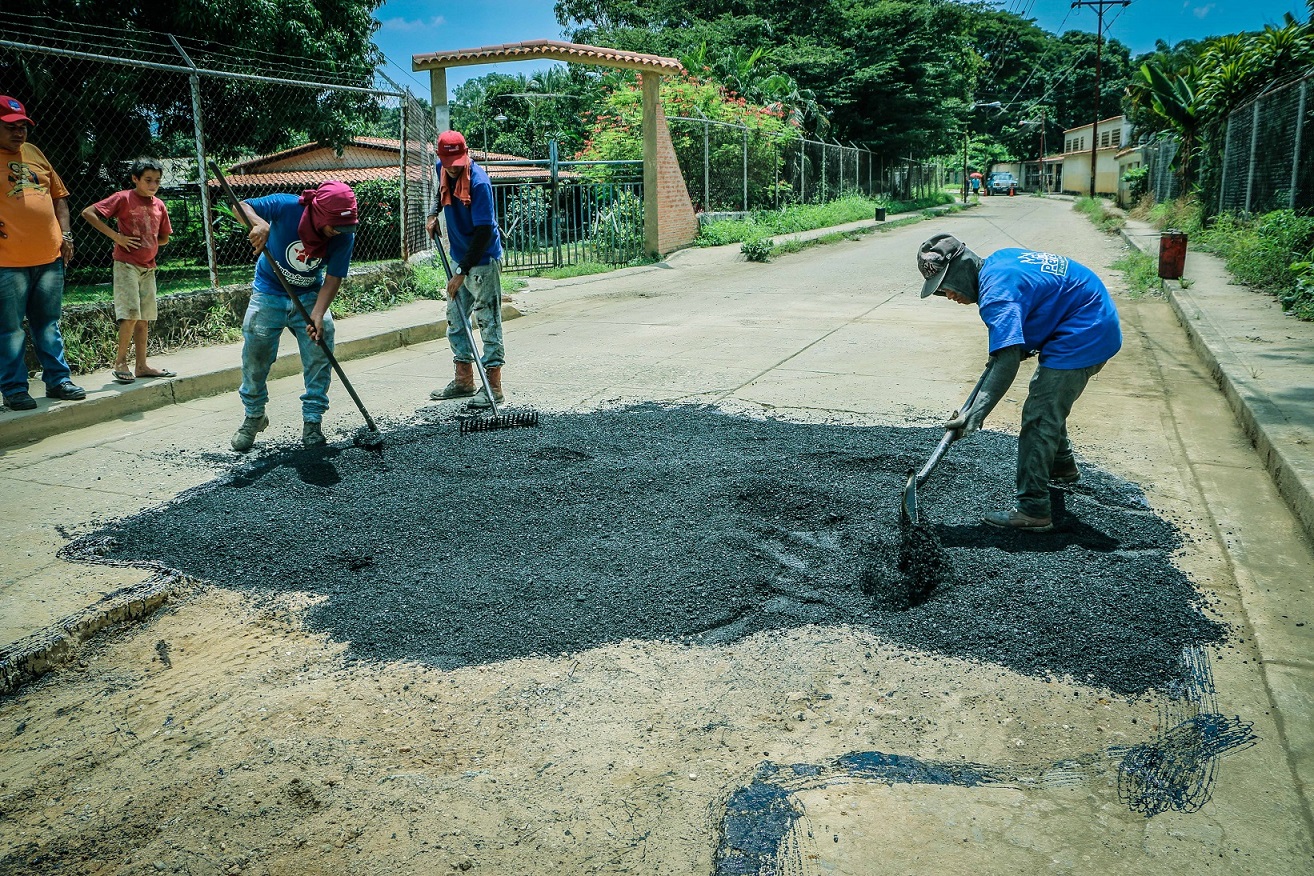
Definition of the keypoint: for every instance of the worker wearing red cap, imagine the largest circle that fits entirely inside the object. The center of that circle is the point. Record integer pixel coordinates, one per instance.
(465, 198)
(311, 238)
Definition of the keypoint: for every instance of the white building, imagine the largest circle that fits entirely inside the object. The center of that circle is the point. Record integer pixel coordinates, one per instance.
(1113, 134)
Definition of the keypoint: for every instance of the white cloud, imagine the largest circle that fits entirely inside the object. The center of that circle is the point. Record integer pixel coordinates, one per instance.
(406, 25)
(1201, 11)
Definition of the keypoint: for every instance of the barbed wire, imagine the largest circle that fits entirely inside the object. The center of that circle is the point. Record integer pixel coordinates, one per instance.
(153, 47)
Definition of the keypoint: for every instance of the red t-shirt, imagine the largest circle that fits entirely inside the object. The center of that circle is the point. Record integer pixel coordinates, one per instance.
(144, 218)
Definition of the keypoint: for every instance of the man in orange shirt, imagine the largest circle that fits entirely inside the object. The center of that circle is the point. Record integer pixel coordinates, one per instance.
(35, 245)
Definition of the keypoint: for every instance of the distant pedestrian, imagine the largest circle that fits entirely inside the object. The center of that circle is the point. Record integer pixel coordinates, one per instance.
(1032, 303)
(142, 227)
(35, 246)
(310, 236)
(976, 185)
(465, 198)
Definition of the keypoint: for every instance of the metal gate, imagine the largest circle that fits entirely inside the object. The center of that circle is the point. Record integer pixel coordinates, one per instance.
(561, 213)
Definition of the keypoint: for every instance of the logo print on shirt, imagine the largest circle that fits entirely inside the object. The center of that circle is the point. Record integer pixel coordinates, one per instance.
(296, 258)
(1049, 263)
(22, 179)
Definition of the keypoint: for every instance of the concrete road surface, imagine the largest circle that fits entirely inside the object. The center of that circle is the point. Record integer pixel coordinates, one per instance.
(219, 735)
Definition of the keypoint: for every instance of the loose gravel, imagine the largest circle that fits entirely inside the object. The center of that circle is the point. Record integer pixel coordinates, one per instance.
(681, 523)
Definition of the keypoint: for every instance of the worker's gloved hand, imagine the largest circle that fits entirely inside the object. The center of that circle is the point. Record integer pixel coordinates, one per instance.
(964, 423)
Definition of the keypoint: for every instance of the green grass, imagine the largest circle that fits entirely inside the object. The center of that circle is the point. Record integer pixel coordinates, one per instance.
(582, 269)
(1141, 271)
(807, 217)
(1097, 210)
(794, 245)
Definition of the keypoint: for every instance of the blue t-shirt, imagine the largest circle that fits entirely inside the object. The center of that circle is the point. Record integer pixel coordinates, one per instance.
(462, 220)
(1051, 304)
(283, 213)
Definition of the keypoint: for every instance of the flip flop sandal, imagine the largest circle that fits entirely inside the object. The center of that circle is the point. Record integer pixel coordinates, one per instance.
(123, 376)
(163, 372)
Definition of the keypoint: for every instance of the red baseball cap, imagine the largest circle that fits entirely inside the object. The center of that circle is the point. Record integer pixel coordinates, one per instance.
(452, 151)
(12, 111)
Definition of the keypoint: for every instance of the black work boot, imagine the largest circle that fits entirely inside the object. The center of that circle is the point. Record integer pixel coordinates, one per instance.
(1064, 471)
(312, 435)
(244, 438)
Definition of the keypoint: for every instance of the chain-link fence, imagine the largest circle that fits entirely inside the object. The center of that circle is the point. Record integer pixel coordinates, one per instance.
(1268, 154)
(730, 167)
(95, 114)
(1162, 178)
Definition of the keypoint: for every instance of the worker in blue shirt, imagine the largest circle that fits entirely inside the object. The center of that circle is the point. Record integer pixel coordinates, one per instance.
(465, 198)
(1033, 303)
(311, 238)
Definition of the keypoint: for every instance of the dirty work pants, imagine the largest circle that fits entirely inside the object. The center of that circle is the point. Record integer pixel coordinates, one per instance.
(36, 293)
(266, 317)
(483, 288)
(1043, 440)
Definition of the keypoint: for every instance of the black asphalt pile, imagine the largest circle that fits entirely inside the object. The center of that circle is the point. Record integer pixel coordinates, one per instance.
(680, 523)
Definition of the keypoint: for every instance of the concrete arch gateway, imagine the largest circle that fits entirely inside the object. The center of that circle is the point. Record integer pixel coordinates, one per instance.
(668, 215)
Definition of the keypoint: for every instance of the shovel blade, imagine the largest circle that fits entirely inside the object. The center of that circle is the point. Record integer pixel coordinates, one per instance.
(908, 508)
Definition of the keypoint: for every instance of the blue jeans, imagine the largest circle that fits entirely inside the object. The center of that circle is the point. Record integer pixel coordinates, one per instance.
(38, 294)
(484, 287)
(266, 317)
(1043, 439)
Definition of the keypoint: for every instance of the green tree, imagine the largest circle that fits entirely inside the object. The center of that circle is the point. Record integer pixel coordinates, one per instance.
(94, 116)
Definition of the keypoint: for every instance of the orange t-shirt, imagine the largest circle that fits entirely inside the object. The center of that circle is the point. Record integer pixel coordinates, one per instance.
(29, 188)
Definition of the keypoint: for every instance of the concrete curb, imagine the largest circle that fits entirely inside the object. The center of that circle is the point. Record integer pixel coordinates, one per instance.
(24, 427)
(1263, 421)
(32, 657)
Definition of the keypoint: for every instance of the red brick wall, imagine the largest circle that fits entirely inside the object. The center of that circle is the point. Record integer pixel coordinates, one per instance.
(677, 224)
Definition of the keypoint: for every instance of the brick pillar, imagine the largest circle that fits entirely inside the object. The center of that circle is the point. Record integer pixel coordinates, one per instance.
(677, 224)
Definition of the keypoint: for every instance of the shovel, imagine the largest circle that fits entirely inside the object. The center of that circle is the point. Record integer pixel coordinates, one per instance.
(908, 510)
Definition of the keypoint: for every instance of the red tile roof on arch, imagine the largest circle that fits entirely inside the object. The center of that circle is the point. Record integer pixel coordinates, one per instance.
(555, 50)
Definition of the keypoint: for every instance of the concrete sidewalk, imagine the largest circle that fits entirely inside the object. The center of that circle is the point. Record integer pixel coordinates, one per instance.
(1262, 359)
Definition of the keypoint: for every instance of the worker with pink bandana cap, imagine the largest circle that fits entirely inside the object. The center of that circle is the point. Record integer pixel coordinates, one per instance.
(311, 238)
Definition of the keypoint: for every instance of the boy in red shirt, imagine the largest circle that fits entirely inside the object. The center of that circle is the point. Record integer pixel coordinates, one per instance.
(143, 227)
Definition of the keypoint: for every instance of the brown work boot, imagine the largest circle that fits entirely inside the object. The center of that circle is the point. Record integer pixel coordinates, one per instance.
(1065, 472)
(495, 383)
(1015, 519)
(463, 386)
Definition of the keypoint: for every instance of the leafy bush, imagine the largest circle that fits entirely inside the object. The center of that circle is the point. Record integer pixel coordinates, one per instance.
(527, 210)
(1261, 253)
(1299, 299)
(379, 233)
(1138, 182)
(617, 233)
(758, 250)
(1099, 213)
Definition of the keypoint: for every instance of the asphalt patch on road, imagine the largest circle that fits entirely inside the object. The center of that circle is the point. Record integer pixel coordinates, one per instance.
(680, 523)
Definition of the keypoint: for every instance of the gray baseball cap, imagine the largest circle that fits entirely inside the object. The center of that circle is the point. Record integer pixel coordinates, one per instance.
(934, 258)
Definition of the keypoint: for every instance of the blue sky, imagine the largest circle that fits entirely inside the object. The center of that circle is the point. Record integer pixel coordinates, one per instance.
(417, 26)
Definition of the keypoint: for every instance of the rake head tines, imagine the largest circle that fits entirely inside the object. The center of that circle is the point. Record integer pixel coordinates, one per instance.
(500, 421)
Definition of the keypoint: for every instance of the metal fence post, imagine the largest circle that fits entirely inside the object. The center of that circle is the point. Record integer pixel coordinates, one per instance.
(202, 172)
(707, 166)
(745, 170)
(556, 219)
(823, 171)
(1295, 152)
(1254, 143)
(802, 171)
(402, 200)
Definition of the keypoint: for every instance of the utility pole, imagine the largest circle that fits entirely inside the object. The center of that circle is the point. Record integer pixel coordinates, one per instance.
(1099, 6)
